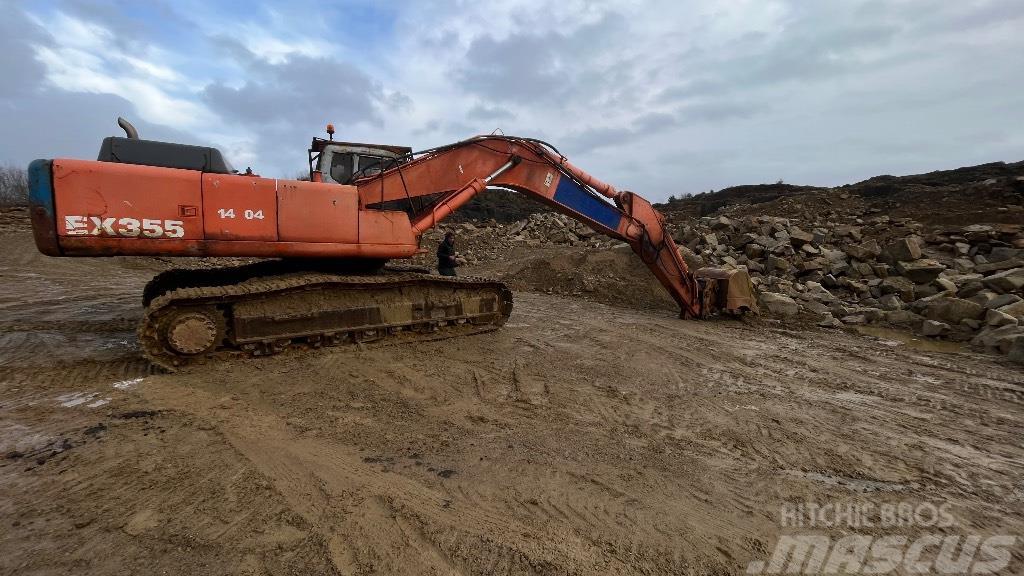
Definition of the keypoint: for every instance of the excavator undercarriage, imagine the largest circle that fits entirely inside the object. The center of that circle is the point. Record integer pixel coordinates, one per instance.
(235, 310)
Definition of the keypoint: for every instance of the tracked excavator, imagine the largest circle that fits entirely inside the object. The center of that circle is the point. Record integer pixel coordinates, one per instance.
(327, 240)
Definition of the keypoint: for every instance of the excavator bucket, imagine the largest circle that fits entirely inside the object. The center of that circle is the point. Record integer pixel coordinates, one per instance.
(727, 290)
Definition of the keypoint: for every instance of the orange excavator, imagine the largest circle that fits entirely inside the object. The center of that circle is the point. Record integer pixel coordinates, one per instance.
(329, 238)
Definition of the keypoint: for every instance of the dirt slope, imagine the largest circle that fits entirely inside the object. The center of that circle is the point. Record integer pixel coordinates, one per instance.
(972, 194)
(579, 439)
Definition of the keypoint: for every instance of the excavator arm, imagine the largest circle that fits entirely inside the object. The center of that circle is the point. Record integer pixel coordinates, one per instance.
(454, 174)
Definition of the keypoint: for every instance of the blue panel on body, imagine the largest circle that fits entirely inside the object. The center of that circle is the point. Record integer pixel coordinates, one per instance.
(570, 194)
(41, 207)
(40, 188)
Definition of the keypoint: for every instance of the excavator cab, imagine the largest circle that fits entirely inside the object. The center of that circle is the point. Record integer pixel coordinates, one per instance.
(346, 162)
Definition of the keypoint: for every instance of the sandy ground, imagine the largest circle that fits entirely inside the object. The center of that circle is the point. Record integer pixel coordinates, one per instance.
(580, 439)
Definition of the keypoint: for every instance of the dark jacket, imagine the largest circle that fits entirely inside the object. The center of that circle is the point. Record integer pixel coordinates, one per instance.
(446, 255)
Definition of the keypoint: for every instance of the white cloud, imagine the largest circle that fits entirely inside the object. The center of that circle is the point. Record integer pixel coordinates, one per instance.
(262, 42)
(662, 97)
(83, 58)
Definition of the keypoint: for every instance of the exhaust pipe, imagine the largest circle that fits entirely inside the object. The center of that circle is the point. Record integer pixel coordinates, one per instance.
(129, 130)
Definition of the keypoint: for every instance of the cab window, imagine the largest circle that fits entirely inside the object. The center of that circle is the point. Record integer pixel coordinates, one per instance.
(369, 165)
(341, 168)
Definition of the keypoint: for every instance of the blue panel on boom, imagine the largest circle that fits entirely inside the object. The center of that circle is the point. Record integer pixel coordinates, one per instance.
(571, 195)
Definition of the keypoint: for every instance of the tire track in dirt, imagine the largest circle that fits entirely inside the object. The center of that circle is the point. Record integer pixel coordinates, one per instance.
(314, 476)
(580, 438)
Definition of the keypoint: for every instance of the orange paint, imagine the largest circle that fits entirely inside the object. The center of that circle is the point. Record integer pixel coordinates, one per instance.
(385, 227)
(317, 212)
(90, 246)
(239, 207)
(106, 190)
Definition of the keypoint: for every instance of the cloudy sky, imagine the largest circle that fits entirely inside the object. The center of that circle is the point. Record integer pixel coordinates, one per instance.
(658, 97)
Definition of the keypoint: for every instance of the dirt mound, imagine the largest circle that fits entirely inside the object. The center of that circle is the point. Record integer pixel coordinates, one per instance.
(502, 206)
(14, 220)
(973, 194)
(612, 276)
(708, 202)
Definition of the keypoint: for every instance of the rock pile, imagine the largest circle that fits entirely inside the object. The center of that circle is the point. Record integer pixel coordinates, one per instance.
(961, 283)
(489, 240)
(549, 228)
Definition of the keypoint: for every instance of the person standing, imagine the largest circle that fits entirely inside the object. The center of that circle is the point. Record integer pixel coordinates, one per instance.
(446, 256)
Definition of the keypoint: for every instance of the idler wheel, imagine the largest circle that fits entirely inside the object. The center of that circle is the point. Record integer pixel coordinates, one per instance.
(191, 333)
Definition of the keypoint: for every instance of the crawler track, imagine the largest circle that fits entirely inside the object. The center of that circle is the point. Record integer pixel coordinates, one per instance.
(269, 314)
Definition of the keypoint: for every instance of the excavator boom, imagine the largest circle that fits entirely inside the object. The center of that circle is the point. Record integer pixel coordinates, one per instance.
(464, 169)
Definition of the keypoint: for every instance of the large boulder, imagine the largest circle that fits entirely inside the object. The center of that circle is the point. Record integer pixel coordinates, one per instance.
(898, 285)
(848, 231)
(833, 256)
(516, 227)
(858, 287)
(890, 302)
(811, 265)
(867, 251)
(779, 304)
(920, 271)
(903, 317)
(753, 250)
(778, 263)
(1016, 352)
(799, 237)
(977, 232)
(693, 261)
(996, 318)
(933, 328)
(953, 310)
(830, 321)
(971, 288)
(815, 307)
(872, 314)
(722, 223)
(1008, 264)
(768, 242)
(903, 250)
(818, 292)
(1006, 281)
(983, 297)
(927, 290)
(1001, 338)
(743, 239)
(1002, 253)
(963, 264)
(1015, 310)
(1000, 300)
